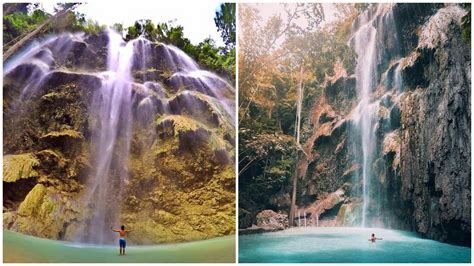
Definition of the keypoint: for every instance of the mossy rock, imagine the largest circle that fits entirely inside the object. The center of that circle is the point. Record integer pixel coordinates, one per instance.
(45, 212)
(67, 140)
(227, 178)
(65, 134)
(51, 97)
(32, 205)
(347, 214)
(191, 133)
(27, 72)
(205, 83)
(19, 166)
(62, 77)
(383, 112)
(179, 123)
(201, 107)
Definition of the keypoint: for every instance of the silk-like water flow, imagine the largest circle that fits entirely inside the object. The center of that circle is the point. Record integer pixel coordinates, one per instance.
(365, 41)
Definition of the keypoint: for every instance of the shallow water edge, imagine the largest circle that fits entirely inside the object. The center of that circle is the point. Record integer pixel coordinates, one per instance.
(23, 248)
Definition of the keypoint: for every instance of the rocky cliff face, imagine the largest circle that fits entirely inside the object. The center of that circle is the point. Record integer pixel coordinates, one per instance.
(179, 183)
(420, 165)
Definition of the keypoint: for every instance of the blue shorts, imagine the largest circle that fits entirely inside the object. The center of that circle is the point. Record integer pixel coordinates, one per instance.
(122, 243)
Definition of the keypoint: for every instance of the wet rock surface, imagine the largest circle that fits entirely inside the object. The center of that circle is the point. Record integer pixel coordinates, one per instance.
(422, 160)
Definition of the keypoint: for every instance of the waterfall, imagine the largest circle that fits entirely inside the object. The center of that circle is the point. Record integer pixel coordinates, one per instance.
(130, 85)
(212, 84)
(397, 79)
(366, 39)
(35, 62)
(112, 106)
(304, 219)
(299, 102)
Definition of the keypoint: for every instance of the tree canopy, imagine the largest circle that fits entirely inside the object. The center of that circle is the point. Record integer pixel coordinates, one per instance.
(281, 57)
(225, 22)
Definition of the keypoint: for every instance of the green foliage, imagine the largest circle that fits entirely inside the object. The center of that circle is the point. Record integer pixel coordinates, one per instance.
(267, 162)
(225, 23)
(206, 53)
(466, 23)
(88, 26)
(20, 23)
(118, 27)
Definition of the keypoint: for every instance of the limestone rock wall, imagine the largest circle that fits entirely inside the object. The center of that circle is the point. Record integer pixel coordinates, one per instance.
(422, 162)
(181, 177)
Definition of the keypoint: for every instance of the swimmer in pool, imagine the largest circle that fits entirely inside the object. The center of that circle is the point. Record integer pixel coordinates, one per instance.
(373, 238)
(122, 232)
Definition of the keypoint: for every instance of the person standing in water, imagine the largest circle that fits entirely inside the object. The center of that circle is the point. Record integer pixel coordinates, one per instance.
(122, 242)
(373, 238)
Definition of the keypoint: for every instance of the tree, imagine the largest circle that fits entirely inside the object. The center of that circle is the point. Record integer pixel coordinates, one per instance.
(284, 62)
(65, 6)
(267, 61)
(118, 27)
(20, 41)
(225, 23)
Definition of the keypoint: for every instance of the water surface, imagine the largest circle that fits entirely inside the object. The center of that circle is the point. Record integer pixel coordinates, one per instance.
(22, 248)
(345, 244)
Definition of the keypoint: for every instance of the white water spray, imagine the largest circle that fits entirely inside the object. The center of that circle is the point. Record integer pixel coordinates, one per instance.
(112, 104)
(364, 41)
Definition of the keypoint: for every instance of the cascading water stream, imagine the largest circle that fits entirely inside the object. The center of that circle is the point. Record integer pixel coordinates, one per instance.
(364, 40)
(188, 69)
(112, 105)
(36, 61)
(111, 142)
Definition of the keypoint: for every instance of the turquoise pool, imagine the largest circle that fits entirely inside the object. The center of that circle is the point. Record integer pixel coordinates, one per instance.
(342, 244)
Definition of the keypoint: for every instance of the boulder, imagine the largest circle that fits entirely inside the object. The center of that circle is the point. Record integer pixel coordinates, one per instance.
(269, 219)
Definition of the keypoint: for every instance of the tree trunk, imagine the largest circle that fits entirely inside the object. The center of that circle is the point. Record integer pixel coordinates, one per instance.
(17, 46)
(293, 199)
(298, 106)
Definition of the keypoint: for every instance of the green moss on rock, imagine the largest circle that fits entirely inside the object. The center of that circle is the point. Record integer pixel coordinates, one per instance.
(32, 205)
(19, 166)
(65, 134)
(179, 123)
